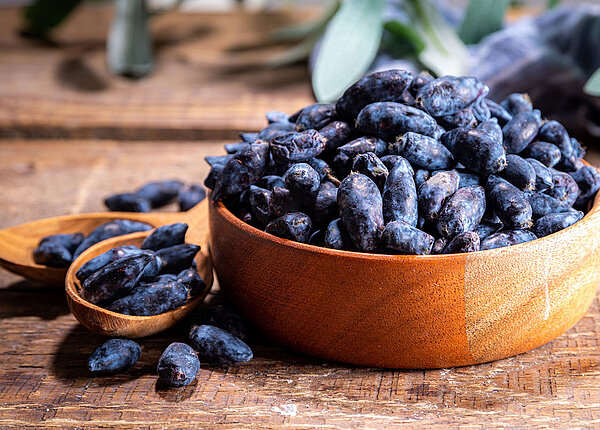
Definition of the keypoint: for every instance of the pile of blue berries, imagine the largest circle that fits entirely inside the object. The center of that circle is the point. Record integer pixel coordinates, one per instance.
(157, 277)
(408, 164)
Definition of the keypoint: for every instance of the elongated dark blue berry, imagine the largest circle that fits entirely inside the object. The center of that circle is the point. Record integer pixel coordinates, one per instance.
(190, 197)
(554, 132)
(297, 147)
(115, 279)
(272, 131)
(519, 172)
(389, 120)
(422, 151)
(543, 176)
(462, 212)
(450, 94)
(177, 257)
(215, 345)
(165, 236)
(588, 182)
(325, 206)
(151, 299)
(435, 191)
(337, 237)
(388, 85)
(506, 238)
(178, 365)
(477, 150)
(57, 250)
(315, 116)
(114, 356)
(293, 226)
(371, 166)
(361, 210)
(103, 259)
(542, 204)
(520, 131)
(517, 103)
(117, 227)
(554, 222)
(403, 238)
(400, 201)
(509, 203)
(546, 153)
(564, 188)
(468, 241)
(127, 202)
(160, 193)
(242, 170)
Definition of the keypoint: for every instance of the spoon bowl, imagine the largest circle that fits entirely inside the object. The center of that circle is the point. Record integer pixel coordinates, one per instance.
(105, 322)
(17, 243)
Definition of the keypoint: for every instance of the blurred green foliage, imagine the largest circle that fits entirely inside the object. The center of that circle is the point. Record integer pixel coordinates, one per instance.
(351, 34)
(482, 17)
(44, 15)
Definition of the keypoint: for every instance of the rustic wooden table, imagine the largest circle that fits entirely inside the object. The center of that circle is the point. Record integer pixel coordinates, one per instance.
(72, 134)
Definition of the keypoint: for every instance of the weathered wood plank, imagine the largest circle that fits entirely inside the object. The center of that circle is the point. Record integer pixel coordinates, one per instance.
(43, 380)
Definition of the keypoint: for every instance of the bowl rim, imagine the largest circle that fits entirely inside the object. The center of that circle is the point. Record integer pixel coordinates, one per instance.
(226, 214)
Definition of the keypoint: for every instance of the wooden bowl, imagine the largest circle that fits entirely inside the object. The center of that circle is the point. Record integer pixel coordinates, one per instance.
(102, 321)
(408, 311)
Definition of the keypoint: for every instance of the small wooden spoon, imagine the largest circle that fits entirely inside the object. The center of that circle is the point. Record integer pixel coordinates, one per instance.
(102, 321)
(17, 243)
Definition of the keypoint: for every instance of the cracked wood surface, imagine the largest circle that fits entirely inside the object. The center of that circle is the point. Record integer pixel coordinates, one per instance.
(43, 353)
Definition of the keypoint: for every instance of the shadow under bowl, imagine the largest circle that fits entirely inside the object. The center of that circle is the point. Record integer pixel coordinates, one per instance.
(400, 311)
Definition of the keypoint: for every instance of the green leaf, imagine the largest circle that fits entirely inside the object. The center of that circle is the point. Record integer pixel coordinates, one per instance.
(407, 33)
(482, 17)
(592, 86)
(348, 48)
(552, 3)
(444, 53)
(43, 15)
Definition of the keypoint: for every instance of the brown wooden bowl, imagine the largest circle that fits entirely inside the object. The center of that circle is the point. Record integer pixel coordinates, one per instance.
(100, 320)
(408, 311)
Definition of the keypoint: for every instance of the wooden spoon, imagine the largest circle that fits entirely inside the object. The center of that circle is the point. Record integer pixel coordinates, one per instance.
(17, 243)
(102, 321)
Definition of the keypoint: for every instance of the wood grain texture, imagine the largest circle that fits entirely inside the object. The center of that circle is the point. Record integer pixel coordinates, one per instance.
(113, 324)
(209, 80)
(44, 384)
(518, 298)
